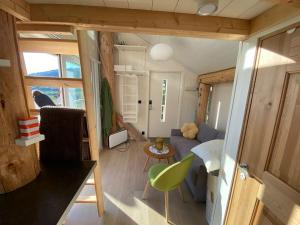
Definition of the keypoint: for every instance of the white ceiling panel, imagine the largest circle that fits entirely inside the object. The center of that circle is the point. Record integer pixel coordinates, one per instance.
(140, 4)
(116, 3)
(244, 9)
(187, 6)
(223, 4)
(237, 7)
(257, 9)
(165, 5)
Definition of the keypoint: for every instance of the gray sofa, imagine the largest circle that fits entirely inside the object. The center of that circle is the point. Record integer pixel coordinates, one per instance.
(197, 177)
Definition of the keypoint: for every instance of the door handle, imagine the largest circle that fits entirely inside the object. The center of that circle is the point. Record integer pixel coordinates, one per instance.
(244, 171)
(150, 104)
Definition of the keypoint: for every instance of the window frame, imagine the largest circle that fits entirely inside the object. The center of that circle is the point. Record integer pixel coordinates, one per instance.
(60, 82)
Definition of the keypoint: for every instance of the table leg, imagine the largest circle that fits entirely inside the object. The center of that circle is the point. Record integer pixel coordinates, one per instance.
(168, 160)
(146, 163)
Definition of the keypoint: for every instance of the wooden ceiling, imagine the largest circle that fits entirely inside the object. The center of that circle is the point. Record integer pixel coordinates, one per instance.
(225, 24)
(243, 9)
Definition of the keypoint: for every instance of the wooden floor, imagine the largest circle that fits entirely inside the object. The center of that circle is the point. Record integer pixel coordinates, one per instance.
(123, 184)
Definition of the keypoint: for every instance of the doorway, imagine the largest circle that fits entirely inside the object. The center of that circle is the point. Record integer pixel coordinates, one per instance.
(164, 103)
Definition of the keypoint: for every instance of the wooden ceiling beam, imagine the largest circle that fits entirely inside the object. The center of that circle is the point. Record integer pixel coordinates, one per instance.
(276, 15)
(45, 29)
(18, 8)
(52, 46)
(140, 21)
(220, 76)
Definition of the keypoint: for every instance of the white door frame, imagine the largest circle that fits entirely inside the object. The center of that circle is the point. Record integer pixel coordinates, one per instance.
(180, 94)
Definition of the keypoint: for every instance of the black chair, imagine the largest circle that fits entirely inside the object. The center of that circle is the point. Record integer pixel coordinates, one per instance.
(63, 130)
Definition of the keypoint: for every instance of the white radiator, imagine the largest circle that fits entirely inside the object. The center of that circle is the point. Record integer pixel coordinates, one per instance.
(117, 138)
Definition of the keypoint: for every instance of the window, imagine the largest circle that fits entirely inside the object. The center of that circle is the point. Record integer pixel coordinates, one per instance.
(54, 93)
(74, 98)
(57, 76)
(41, 64)
(70, 66)
(163, 101)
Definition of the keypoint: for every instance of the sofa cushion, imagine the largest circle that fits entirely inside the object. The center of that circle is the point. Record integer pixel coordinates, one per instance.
(220, 135)
(183, 145)
(206, 133)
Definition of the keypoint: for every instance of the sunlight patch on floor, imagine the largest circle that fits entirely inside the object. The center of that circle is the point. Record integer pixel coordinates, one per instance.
(138, 211)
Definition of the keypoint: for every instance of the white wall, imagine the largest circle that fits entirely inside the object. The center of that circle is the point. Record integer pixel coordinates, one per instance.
(142, 60)
(219, 105)
(241, 87)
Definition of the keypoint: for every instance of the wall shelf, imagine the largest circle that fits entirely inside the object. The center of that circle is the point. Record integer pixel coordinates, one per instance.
(131, 47)
(129, 86)
(24, 142)
(135, 72)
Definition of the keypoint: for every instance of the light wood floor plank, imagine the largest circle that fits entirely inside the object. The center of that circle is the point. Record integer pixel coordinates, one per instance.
(123, 185)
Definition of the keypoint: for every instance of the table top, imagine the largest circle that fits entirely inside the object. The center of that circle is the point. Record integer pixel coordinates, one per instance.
(47, 199)
(170, 154)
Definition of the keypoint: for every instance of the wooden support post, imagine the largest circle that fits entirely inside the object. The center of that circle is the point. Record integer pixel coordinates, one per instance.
(18, 165)
(202, 102)
(107, 66)
(86, 47)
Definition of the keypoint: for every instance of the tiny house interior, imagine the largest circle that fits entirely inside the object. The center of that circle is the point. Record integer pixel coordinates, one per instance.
(149, 112)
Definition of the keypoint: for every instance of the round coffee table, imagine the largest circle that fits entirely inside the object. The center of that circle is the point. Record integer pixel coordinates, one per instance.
(150, 154)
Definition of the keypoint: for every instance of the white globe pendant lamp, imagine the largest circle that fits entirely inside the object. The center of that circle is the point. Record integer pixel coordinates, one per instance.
(161, 52)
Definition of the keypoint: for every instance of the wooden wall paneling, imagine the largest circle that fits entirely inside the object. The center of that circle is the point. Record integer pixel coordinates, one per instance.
(53, 46)
(140, 21)
(45, 29)
(18, 8)
(202, 102)
(91, 116)
(220, 76)
(107, 68)
(18, 165)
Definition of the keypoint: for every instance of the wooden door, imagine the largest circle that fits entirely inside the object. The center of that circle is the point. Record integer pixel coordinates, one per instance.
(270, 145)
(164, 99)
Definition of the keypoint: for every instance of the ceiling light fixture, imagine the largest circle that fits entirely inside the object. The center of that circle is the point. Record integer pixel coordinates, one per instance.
(207, 7)
(161, 52)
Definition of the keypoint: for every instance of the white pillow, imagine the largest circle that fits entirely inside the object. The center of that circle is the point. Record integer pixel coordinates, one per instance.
(210, 153)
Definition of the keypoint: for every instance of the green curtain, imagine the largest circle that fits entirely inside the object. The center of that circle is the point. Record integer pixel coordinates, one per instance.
(106, 108)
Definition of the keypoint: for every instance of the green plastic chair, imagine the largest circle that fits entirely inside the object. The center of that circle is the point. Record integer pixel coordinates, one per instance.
(165, 178)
